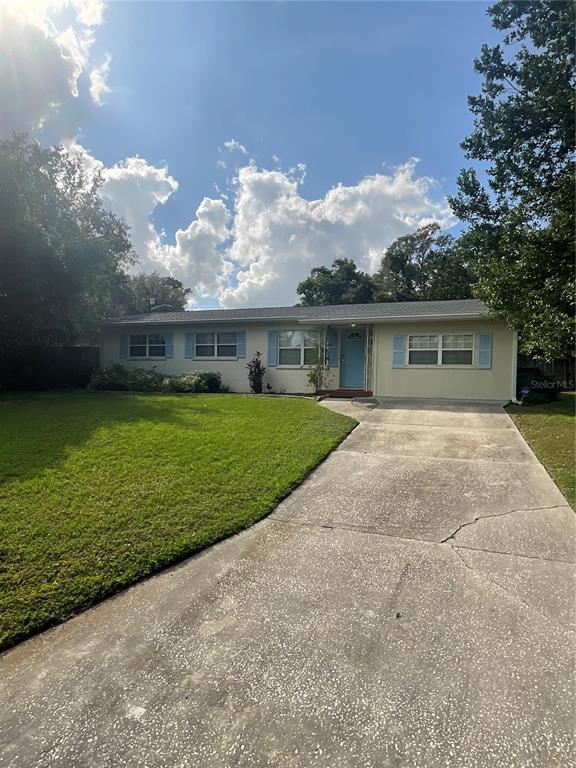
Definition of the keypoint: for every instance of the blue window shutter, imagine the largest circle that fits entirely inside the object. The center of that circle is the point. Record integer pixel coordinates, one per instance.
(123, 346)
(332, 345)
(241, 344)
(189, 345)
(398, 351)
(272, 349)
(485, 350)
(169, 344)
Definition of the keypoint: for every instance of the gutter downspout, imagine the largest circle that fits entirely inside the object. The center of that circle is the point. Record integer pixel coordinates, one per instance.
(514, 368)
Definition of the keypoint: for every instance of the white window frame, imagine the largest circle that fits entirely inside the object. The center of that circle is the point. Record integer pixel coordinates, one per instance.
(441, 348)
(216, 343)
(302, 347)
(147, 345)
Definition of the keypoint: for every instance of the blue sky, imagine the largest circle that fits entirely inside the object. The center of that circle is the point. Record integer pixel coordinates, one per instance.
(342, 87)
(349, 89)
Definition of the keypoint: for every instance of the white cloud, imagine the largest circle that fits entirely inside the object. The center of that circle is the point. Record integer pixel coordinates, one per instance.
(234, 146)
(197, 258)
(133, 189)
(258, 252)
(278, 235)
(44, 49)
(99, 87)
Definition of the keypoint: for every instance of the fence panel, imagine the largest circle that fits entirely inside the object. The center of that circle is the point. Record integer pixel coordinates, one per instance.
(49, 367)
(562, 370)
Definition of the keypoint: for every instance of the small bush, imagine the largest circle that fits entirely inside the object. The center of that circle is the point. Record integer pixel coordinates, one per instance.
(543, 388)
(256, 373)
(116, 377)
(197, 381)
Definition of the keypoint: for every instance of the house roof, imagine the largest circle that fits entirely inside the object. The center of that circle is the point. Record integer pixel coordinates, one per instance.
(388, 312)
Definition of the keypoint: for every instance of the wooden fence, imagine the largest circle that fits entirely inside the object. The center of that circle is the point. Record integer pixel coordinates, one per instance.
(48, 367)
(562, 370)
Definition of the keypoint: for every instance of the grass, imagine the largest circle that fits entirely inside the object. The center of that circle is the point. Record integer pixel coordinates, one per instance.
(98, 490)
(550, 431)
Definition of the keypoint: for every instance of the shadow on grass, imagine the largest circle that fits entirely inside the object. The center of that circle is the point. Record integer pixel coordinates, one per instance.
(37, 430)
(564, 406)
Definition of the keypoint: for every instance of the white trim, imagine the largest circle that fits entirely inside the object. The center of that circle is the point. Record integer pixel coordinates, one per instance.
(215, 344)
(147, 345)
(514, 367)
(332, 321)
(302, 347)
(344, 321)
(440, 348)
(375, 345)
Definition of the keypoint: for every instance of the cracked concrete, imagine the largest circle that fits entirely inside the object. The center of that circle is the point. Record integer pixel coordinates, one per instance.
(414, 497)
(548, 533)
(444, 641)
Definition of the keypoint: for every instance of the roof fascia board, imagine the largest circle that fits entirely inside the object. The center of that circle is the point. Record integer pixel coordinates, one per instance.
(394, 318)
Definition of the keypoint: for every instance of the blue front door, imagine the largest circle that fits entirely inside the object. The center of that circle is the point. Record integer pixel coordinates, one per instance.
(352, 343)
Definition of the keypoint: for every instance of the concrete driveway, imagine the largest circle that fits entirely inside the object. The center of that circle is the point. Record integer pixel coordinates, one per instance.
(411, 604)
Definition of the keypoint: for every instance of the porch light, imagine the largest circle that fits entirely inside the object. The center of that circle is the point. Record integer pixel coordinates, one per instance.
(353, 325)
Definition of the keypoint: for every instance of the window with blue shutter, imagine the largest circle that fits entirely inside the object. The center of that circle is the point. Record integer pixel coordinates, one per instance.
(169, 344)
(398, 347)
(241, 344)
(189, 345)
(272, 349)
(485, 350)
(124, 346)
(332, 339)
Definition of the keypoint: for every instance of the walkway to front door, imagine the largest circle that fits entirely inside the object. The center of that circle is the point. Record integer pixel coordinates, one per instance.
(352, 356)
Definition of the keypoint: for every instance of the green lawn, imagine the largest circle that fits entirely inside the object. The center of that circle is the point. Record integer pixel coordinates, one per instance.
(550, 430)
(98, 490)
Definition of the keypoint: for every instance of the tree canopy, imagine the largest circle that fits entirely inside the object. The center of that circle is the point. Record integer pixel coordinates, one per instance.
(342, 283)
(423, 266)
(152, 292)
(63, 256)
(61, 252)
(520, 236)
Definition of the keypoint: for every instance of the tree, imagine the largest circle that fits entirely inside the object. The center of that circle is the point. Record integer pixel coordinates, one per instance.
(422, 266)
(520, 237)
(146, 292)
(61, 253)
(342, 283)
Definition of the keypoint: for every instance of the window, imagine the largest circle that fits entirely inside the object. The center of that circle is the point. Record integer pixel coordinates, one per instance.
(422, 350)
(457, 349)
(298, 347)
(147, 345)
(450, 349)
(216, 344)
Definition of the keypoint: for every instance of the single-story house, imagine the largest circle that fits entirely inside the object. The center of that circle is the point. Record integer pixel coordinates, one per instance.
(426, 349)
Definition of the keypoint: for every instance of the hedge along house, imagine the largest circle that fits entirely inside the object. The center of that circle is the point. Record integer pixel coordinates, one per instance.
(434, 349)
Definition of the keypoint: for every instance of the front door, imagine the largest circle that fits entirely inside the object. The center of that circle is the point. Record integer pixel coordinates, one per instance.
(352, 346)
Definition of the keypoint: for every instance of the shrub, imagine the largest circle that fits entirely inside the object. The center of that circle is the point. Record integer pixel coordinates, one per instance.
(133, 380)
(543, 388)
(256, 373)
(116, 377)
(197, 381)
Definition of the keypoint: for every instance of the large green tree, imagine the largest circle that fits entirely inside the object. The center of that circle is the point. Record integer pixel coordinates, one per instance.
(151, 292)
(342, 283)
(520, 236)
(61, 253)
(425, 265)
